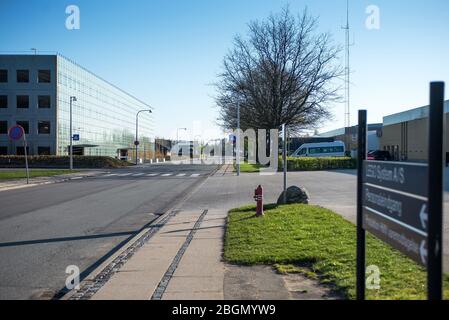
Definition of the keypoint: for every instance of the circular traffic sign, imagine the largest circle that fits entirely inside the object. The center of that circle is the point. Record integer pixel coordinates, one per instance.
(16, 132)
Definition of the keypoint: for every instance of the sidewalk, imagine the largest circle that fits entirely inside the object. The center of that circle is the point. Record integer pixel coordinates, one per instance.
(22, 183)
(183, 259)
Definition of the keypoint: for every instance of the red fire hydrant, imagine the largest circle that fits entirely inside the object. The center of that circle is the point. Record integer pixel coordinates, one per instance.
(258, 197)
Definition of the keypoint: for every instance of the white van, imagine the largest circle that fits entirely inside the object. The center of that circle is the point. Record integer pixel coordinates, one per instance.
(320, 150)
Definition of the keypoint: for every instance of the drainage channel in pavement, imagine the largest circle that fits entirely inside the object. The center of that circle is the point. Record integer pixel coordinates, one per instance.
(92, 287)
(160, 290)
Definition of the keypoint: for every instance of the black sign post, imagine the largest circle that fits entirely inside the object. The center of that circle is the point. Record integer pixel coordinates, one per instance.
(434, 266)
(362, 134)
(401, 203)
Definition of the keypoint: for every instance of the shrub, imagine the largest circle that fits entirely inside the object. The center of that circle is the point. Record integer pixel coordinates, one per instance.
(61, 162)
(316, 164)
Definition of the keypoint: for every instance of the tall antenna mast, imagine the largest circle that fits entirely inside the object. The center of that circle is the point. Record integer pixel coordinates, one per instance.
(347, 71)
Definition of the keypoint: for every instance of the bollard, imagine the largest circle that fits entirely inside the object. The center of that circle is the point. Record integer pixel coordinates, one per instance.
(258, 197)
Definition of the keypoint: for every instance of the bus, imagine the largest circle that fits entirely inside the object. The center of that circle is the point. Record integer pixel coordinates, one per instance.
(320, 150)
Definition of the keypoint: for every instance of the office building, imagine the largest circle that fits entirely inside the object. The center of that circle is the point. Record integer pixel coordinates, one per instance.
(35, 93)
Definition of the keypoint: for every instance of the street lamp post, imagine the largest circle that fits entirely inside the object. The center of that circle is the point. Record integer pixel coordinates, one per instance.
(136, 143)
(238, 138)
(72, 99)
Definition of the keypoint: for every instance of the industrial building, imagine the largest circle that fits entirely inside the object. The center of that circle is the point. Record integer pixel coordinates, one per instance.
(405, 134)
(35, 93)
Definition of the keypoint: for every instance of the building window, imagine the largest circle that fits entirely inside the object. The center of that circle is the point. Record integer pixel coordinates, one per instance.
(44, 76)
(3, 102)
(23, 76)
(3, 151)
(20, 151)
(3, 127)
(43, 102)
(43, 127)
(23, 102)
(3, 76)
(43, 151)
(25, 125)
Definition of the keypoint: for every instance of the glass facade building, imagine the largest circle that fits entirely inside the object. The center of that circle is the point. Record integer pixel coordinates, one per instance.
(103, 115)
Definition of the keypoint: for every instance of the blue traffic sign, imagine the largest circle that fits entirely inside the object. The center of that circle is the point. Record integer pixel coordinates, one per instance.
(76, 137)
(16, 132)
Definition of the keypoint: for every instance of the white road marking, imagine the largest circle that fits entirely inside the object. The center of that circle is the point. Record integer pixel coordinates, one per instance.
(124, 174)
(138, 174)
(111, 175)
(167, 174)
(152, 174)
(195, 175)
(181, 175)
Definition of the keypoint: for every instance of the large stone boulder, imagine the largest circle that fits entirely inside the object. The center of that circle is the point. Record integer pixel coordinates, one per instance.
(294, 195)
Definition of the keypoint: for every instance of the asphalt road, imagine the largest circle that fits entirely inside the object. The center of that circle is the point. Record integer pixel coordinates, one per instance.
(45, 229)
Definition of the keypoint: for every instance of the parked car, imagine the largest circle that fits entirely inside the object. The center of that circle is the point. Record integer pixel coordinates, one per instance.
(321, 150)
(379, 155)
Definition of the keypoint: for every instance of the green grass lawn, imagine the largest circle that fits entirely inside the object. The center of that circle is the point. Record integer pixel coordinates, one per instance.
(21, 174)
(248, 168)
(321, 244)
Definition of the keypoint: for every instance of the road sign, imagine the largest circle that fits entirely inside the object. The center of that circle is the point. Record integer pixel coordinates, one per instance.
(401, 203)
(136, 143)
(410, 241)
(16, 132)
(395, 206)
(76, 137)
(406, 177)
(398, 206)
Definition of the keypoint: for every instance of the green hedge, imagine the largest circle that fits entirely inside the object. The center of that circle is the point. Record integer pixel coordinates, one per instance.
(316, 164)
(84, 162)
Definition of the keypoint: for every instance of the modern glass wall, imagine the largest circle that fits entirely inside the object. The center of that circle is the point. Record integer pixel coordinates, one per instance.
(104, 116)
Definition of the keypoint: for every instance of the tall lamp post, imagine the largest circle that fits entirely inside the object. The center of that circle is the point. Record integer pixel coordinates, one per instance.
(136, 143)
(237, 145)
(72, 99)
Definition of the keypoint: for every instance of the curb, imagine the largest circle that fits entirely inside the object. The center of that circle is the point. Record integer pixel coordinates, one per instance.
(46, 182)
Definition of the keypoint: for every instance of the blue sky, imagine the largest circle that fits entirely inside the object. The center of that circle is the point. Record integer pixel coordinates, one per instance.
(168, 53)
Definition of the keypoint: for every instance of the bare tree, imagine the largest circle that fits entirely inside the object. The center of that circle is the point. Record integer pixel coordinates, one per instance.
(282, 73)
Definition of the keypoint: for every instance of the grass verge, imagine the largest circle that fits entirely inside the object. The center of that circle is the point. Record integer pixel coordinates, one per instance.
(248, 167)
(319, 243)
(21, 174)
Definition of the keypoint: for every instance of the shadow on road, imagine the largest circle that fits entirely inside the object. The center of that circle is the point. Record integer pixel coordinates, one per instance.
(95, 236)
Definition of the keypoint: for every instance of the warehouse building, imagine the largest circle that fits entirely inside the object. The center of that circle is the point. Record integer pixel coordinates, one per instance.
(405, 134)
(35, 91)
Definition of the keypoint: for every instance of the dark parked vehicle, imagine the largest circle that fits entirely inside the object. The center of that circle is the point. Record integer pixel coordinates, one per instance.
(379, 155)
